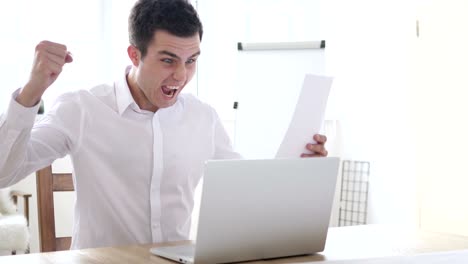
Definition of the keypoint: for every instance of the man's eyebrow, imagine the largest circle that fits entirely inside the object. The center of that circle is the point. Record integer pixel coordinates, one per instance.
(168, 53)
(165, 52)
(195, 54)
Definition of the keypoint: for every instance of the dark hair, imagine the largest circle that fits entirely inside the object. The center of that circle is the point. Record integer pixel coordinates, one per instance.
(177, 17)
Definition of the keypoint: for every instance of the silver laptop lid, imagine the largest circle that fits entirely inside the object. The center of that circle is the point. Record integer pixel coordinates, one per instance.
(257, 209)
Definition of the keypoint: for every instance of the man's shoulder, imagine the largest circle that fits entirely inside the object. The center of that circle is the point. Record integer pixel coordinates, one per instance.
(191, 101)
(100, 94)
(101, 90)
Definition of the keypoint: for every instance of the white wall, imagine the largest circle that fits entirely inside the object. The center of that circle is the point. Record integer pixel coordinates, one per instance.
(439, 114)
(368, 53)
(403, 102)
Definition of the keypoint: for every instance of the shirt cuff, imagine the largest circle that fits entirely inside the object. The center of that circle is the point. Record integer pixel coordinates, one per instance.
(20, 116)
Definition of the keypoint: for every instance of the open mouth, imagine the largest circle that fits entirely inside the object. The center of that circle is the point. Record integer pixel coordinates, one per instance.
(169, 91)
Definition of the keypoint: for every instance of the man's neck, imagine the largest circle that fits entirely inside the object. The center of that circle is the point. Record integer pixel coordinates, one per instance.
(137, 93)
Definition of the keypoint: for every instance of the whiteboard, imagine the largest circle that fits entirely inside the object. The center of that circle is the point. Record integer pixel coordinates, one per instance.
(267, 88)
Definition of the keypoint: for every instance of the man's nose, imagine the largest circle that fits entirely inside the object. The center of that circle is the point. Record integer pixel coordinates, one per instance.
(180, 73)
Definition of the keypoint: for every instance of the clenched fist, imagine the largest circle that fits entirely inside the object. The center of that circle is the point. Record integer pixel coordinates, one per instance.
(48, 63)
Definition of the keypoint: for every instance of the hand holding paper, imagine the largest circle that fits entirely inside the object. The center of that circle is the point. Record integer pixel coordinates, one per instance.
(316, 150)
(307, 119)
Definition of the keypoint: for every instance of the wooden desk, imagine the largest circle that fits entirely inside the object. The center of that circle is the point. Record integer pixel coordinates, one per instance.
(343, 243)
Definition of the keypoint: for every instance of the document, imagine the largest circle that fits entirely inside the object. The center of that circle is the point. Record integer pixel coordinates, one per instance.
(308, 116)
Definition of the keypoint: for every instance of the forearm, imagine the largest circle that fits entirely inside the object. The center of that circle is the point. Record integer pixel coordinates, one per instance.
(28, 97)
(21, 150)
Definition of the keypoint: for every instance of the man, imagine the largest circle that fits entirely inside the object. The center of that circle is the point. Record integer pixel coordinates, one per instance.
(137, 146)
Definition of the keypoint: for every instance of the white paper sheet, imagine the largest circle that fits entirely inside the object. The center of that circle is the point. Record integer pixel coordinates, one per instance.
(308, 116)
(449, 257)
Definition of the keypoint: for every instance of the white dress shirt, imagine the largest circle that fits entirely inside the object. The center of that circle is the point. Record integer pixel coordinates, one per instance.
(135, 171)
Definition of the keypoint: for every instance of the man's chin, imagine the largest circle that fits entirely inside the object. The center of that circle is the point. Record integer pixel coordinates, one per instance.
(167, 103)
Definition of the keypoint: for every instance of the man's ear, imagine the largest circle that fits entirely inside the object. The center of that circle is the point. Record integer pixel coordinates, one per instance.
(134, 54)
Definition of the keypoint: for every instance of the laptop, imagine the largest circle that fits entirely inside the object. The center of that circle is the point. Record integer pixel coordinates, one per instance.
(260, 209)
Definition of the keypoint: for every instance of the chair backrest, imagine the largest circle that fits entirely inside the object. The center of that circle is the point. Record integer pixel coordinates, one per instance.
(15, 194)
(47, 183)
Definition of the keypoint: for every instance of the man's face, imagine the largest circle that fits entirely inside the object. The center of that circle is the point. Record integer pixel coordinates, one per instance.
(168, 66)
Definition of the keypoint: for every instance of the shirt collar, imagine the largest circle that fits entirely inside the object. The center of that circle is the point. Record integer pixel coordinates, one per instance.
(125, 99)
(123, 96)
